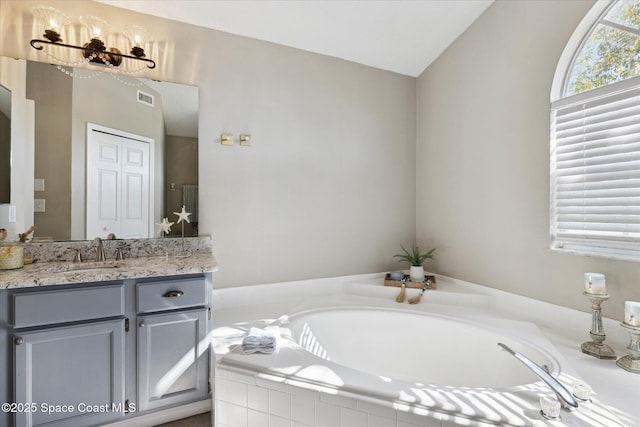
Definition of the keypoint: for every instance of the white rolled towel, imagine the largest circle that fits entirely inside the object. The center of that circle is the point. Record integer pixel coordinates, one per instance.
(259, 340)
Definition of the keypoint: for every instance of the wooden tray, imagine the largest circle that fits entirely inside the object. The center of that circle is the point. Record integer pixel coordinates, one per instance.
(410, 284)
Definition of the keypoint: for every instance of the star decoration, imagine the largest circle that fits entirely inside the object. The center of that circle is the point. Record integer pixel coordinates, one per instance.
(183, 215)
(164, 226)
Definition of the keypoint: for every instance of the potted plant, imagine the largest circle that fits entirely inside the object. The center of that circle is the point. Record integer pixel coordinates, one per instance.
(416, 259)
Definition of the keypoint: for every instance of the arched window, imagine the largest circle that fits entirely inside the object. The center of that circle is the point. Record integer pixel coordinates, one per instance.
(610, 51)
(595, 139)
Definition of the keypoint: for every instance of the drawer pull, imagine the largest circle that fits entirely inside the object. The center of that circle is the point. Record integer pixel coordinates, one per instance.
(173, 294)
(19, 341)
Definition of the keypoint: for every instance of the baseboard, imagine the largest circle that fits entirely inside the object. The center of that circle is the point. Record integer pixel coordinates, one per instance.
(165, 416)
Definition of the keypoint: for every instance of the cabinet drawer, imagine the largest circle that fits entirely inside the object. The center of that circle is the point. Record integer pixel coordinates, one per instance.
(170, 294)
(67, 305)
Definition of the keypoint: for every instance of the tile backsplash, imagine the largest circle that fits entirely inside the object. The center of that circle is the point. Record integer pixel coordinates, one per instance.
(131, 248)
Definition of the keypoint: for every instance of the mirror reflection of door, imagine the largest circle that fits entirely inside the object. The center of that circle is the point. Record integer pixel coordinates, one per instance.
(118, 178)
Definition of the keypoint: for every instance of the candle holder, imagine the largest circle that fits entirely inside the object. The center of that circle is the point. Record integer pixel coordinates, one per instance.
(631, 362)
(597, 348)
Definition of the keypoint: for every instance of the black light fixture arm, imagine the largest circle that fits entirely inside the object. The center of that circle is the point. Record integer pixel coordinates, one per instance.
(37, 44)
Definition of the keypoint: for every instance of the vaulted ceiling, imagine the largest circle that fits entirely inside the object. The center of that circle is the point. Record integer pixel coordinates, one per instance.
(400, 36)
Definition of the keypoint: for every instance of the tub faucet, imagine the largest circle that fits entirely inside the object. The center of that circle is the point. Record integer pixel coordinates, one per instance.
(565, 397)
(97, 243)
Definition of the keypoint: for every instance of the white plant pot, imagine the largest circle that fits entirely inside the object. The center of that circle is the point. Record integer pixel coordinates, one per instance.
(416, 273)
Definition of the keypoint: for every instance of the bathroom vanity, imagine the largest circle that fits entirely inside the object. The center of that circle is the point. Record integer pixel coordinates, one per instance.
(86, 344)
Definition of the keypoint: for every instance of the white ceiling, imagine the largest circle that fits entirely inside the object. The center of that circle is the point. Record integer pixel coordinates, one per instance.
(403, 36)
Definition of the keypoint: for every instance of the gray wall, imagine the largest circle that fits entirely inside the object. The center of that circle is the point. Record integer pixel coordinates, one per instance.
(52, 92)
(327, 189)
(5, 158)
(181, 167)
(483, 141)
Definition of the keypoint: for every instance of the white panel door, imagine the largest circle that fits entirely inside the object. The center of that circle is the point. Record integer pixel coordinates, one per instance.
(118, 176)
(135, 189)
(103, 184)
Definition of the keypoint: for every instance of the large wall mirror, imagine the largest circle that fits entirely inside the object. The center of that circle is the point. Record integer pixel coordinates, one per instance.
(114, 154)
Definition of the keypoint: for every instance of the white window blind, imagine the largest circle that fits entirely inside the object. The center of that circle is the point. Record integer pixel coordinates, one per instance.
(595, 171)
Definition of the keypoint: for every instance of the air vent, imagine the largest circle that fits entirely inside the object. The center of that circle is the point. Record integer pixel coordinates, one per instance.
(145, 98)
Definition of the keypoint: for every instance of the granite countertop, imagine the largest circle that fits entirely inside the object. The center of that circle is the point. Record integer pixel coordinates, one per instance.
(64, 273)
(50, 268)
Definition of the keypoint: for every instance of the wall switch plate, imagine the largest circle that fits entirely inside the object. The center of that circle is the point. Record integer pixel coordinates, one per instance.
(226, 139)
(245, 139)
(38, 184)
(38, 205)
(12, 213)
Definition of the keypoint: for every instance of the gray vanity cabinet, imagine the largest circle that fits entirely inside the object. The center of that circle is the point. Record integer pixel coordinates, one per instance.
(69, 358)
(173, 355)
(91, 354)
(172, 358)
(86, 364)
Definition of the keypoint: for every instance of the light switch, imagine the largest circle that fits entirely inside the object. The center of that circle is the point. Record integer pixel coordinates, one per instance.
(245, 139)
(38, 205)
(38, 184)
(12, 213)
(226, 139)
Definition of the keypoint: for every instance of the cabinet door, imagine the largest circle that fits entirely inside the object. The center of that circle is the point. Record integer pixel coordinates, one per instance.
(173, 358)
(71, 375)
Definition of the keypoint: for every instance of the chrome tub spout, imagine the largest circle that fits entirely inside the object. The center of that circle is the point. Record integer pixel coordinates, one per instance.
(565, 397)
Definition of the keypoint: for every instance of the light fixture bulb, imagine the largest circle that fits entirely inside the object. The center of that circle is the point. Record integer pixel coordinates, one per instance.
(138, 37)
(98, 27)
(53, 20)
(137, 34)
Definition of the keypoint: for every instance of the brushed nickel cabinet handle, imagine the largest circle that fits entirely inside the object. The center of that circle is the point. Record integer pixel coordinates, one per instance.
(19, 341)
(173, 294)
(142, 324)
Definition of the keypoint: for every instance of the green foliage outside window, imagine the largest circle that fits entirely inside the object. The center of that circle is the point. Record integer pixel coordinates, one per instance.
(612, 51)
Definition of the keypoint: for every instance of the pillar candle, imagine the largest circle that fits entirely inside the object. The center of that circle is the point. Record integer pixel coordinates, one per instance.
(632, 313)
(594, 283)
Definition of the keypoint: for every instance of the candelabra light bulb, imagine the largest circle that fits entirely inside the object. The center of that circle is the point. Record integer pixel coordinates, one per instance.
(52, 20)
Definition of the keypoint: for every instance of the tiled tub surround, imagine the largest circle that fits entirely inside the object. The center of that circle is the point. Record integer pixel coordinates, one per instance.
(286, 390)
(53, 262)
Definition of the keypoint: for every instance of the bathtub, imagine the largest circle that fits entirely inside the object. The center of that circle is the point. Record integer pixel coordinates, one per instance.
(376, 366)
(416, 347)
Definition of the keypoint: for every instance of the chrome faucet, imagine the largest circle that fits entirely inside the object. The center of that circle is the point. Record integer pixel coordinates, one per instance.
(565, 397)
(97, 243)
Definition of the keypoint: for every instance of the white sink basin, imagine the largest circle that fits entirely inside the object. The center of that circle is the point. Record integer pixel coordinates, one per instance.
(87, 266)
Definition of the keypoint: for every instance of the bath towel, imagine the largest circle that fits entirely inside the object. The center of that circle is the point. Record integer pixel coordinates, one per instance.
(259, 340)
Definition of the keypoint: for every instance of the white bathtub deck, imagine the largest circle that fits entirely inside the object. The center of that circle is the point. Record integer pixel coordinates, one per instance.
(236, 309)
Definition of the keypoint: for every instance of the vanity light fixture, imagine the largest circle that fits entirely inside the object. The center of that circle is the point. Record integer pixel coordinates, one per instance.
(95, 50)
